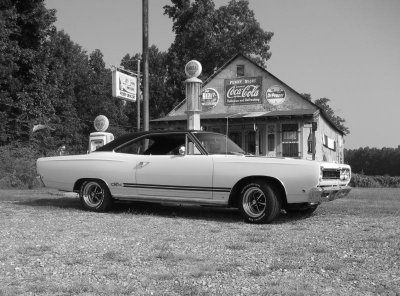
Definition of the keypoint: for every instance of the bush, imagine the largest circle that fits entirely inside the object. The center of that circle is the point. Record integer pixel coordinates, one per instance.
(18, 167)
(359, 180)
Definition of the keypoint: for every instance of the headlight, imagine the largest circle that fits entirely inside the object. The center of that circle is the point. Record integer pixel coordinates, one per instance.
(345, 175)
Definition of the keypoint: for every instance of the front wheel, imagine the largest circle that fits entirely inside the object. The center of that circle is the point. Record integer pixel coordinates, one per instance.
(95, 196)
(259, 202)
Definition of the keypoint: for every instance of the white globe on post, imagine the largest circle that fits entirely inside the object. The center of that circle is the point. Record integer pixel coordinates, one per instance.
(193, 87)
(100, 137)
(101, 123)
(193, 69)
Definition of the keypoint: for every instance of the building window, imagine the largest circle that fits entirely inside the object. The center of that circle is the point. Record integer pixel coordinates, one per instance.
(271, 142)
(271, 145)
(240, 70)
(329, 142)
(236, 137)
(290, 140)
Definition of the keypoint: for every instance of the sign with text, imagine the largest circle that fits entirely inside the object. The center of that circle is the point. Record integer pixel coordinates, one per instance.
(210, 98)
(275, 95)
(124, 86)
(244, 90)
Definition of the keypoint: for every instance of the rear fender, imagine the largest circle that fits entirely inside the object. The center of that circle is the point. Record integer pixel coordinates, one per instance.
(78, 183)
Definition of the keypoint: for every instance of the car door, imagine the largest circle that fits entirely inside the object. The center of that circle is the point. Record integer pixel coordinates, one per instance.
(188, 176)
(164, 173)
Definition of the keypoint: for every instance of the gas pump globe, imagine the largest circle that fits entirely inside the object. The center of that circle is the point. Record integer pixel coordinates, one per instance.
(101, 137)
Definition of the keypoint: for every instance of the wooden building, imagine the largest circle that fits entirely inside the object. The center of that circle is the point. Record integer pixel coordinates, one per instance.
(262, 114)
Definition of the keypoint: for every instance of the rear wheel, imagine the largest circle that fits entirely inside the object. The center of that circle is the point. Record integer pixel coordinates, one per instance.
(95, 196)
(259, 202)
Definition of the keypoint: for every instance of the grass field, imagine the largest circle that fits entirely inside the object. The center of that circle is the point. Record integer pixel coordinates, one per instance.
(49, 246)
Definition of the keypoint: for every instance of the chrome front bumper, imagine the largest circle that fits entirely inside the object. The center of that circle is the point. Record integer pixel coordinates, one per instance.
(324, 194)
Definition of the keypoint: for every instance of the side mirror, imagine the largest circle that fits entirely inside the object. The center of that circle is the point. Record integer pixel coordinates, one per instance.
(182, 150)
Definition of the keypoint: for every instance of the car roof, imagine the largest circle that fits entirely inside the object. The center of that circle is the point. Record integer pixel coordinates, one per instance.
(128, 137)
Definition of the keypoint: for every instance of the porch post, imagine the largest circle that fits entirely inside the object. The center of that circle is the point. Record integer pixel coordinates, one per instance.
(257, 140)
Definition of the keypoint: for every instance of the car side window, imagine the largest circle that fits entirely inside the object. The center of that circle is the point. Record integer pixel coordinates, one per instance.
(158, 144)
(136, 147)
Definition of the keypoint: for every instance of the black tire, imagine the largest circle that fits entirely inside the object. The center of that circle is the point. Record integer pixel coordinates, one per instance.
(95, 196)
(259, 202)
(306, 211)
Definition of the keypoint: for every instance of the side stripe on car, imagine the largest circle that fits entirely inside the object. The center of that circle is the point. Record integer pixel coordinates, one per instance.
(169, 187)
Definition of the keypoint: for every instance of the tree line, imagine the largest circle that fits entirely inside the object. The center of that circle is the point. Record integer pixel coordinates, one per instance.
(374, 161)
(48, 79)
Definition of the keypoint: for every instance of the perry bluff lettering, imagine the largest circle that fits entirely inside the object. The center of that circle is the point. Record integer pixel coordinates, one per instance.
(243, 91)
(127, 95)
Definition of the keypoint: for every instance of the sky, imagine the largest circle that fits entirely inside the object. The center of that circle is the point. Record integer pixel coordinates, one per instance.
(345, 50)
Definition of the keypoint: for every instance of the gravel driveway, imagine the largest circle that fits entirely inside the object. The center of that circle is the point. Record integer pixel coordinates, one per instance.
(49, 246)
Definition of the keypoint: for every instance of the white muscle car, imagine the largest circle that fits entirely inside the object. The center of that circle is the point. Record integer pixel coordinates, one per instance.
(194, 167)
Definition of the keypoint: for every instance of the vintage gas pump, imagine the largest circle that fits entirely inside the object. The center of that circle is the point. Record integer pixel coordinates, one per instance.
(101, 137)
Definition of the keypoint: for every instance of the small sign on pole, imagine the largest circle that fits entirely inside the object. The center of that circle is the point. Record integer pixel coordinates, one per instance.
(124, 86)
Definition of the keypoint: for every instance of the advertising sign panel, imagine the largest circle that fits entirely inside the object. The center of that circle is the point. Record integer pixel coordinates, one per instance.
(124, 86)
(275, 95)
(210, 98)
(244, 90)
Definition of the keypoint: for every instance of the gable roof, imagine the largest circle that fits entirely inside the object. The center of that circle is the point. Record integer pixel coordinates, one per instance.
(322, 112)
(238, 55)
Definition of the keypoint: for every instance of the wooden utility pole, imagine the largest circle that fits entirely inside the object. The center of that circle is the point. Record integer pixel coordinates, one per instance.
(145, 19)
(138, 95)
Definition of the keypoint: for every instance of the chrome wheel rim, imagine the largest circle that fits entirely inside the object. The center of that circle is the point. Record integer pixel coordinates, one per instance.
(93, 194)
(254, 202)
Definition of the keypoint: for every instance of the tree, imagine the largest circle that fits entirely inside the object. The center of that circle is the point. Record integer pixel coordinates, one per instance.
(322, 103)
(159, 99)
(25, 27)
(335, 119)
(96, 97)
(68, 68)
(373, 161)
(212, 36)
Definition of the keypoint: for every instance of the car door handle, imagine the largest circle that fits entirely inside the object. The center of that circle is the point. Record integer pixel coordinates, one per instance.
(143, 163)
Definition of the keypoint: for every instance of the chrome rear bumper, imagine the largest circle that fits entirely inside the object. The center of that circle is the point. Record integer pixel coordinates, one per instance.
(324, 194)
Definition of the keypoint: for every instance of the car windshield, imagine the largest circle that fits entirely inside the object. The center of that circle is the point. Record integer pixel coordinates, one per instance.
(218, 144)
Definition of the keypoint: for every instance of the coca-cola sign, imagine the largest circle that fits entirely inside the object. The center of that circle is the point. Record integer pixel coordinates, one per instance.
(245, 90)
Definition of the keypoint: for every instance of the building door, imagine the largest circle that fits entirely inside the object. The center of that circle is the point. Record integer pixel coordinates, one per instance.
(290, 140)
(271, 140)
(251, 142)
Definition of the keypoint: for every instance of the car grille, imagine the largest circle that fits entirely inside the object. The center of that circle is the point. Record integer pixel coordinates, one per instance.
(331, 174)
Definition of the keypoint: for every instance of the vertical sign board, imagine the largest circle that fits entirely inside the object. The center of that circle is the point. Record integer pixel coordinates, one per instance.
(124, 86)
(243, 91)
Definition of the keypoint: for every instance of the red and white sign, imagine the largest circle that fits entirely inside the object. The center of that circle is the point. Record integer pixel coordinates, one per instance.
(275, 95)
(124, 86)
(210, 98)
(246, 90)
